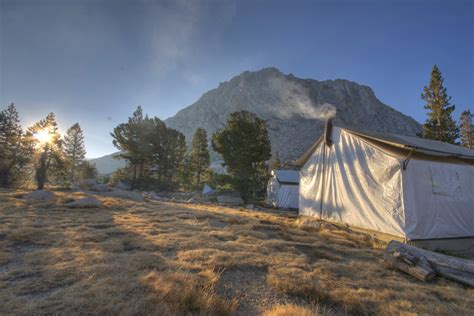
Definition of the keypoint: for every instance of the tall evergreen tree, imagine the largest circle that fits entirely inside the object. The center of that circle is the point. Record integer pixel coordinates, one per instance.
(48, 156)
(131, 139)
(199, 156)
(153, 151)
(88, 170)
(74, 150)
(467, 129)
(245, 147)
(439, 125)
(15, 150)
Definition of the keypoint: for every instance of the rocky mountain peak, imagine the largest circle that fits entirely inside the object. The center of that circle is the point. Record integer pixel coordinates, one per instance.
(294, 108)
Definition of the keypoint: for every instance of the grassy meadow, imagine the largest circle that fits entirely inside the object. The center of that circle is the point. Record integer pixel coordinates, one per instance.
(163, 258)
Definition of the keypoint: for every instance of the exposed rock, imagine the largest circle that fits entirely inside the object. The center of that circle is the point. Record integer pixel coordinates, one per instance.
(230, 199)
(207, 190)
(88, 183)
(88, 202)
(250, 207)
(40, 195)
(121, 185)
(101, 188)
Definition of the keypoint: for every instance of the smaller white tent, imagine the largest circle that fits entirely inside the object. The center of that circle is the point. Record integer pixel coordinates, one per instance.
(283, 188)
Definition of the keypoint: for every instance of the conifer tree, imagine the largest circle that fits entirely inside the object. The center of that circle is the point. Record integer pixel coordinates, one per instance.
(153, 151)
(199, 156)
(48, 155)
(439, 125)
(467, 129)
(88, 170)
(15, 150)
(129, 138)
(74, 150)
(245, 147)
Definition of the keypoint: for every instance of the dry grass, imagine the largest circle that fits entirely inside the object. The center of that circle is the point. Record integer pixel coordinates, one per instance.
(172, 259)
(295, 310)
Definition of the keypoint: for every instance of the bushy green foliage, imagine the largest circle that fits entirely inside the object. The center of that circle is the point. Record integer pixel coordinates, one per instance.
(467, 129)
(15, 149)
(153, 151)
(48, 160)
(88, 170)
(440, 125)
(74, 151)
(245, 147)
(199, 155)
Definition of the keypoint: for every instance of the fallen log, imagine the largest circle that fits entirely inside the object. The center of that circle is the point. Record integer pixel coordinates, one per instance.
(424, 264)
(416, 266)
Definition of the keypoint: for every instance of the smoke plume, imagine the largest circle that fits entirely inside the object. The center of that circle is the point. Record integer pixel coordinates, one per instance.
(294, 100)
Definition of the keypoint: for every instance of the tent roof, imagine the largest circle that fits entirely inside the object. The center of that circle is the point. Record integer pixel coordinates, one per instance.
(421, 145)
(426, 146)
(287, 176)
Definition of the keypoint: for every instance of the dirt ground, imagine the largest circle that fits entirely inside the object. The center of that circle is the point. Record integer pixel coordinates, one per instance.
(162, 258)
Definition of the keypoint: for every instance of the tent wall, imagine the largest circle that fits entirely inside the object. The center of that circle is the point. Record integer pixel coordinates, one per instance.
(282, 195)
(355, 183)
(438, 199)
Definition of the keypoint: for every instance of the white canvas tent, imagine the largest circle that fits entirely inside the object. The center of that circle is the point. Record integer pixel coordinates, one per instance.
(408, 187)
(282, 188)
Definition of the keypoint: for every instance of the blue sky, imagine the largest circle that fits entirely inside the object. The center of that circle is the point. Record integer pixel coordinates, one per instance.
(94, 61)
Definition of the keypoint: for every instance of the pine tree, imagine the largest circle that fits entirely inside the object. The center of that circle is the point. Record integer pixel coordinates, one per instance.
(88, 170)
(131, 139)
(153, 151)
(15, 150)
(245, 147)
(74, 150)
(199, 156)
(48, 155)
(467, 129)
(439, 124)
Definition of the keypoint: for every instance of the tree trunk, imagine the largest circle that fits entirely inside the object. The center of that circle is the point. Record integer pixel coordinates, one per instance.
(418, 262)
(41, 172)
(198, 180)
(4, 179)
(418, 267)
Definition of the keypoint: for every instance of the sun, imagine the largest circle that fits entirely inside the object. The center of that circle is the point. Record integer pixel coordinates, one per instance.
(43, 136)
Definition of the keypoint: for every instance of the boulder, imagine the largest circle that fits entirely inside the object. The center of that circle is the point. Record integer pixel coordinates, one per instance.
(230, 199)
(192, 200)
(40, 195)
(74, 187)
(88, 202)
(250, 207)
(207, 190)
(121, 185)
(101, 188)
(87, 183)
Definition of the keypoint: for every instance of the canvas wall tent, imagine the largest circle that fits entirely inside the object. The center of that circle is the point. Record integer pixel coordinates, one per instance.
(407, 187)
(282, 188)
